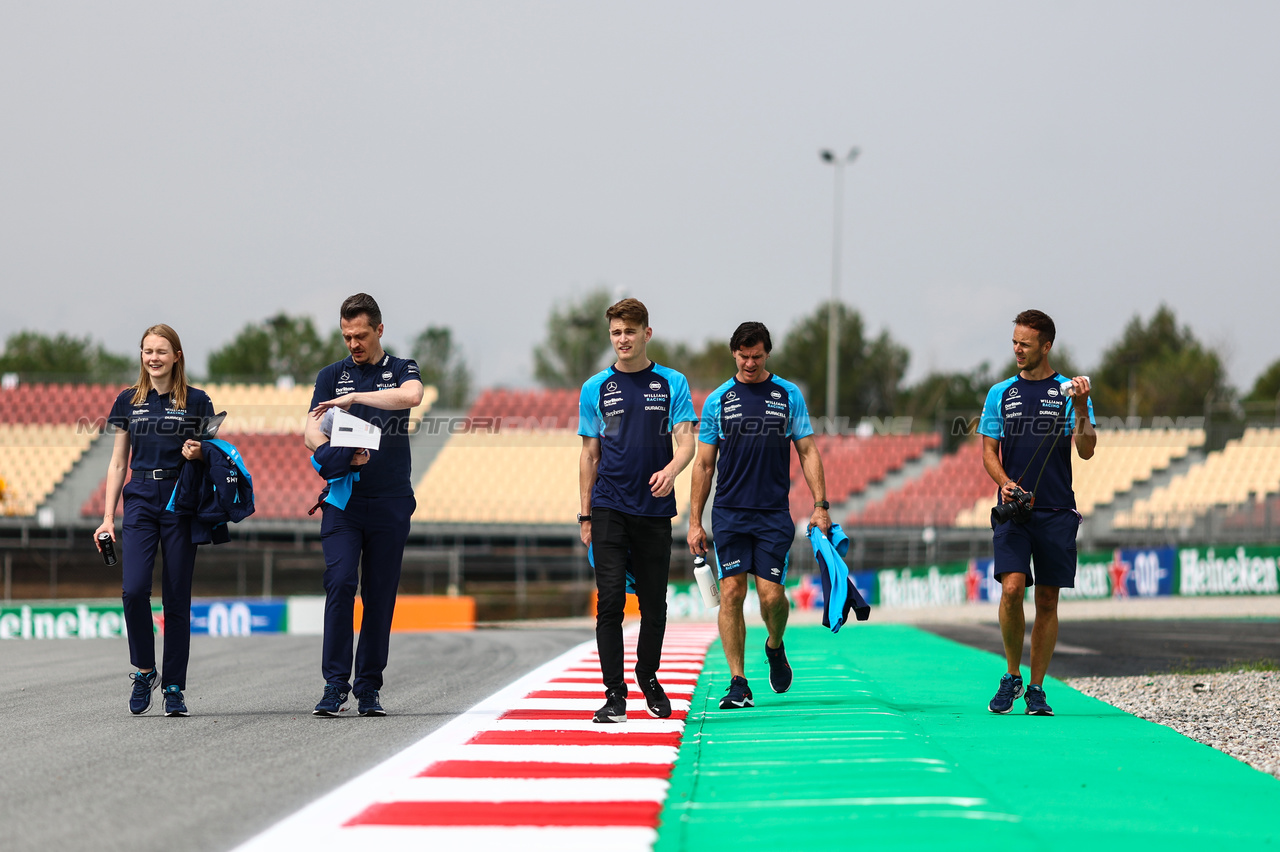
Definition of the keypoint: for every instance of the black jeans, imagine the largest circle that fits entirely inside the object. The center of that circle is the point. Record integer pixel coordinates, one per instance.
(620, 541)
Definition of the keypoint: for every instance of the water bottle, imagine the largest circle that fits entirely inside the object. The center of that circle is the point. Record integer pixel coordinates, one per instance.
(108, 548)
(1067, 388)
(706, 582)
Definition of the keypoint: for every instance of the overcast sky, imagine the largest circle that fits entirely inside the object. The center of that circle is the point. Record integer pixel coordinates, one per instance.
(472, 163)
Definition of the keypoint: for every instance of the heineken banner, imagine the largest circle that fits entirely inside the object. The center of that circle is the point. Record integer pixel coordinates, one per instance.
(1120, 573)
(98, 620)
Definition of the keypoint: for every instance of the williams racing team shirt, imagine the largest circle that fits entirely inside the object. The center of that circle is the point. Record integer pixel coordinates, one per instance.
(1033, 423)
(386, 474)
(157, 430)
(753, 426)
(632, 414)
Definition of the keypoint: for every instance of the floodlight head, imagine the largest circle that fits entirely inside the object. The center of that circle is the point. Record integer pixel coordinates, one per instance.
(853, 154)
(827, 156)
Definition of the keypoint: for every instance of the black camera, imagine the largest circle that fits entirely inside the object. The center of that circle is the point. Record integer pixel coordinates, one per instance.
(1016, 508)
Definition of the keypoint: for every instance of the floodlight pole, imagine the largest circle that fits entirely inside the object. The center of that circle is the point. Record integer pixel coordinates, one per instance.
(833, 325)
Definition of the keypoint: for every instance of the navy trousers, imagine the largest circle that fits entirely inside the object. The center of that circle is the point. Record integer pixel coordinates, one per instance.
(372, 530)
(615, 536)
(147, 526)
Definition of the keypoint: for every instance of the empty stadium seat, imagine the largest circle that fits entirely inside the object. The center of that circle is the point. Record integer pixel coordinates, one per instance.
(1246, 470)
(936, 497)
(34, 457)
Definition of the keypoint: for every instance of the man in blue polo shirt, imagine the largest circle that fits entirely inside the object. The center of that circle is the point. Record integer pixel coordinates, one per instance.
(626, 482)
(750, 423)
(374, 524)
(1027, 427)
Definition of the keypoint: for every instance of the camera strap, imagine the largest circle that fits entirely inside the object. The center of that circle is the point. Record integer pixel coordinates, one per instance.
(1043, 464)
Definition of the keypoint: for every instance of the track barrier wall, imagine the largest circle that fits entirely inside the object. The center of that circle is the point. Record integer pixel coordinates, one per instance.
(1120, 573)
(296, 615)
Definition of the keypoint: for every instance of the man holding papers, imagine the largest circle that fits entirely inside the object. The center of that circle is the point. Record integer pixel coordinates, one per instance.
(370, 394)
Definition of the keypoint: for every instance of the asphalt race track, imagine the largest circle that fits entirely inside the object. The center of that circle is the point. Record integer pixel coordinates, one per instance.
(79, 772)
(1115, 648)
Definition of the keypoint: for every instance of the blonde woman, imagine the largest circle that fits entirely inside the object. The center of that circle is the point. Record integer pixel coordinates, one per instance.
(157, 423)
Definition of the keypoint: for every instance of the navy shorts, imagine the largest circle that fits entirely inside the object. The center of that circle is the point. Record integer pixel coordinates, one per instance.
(751, 541)
(1048, 539)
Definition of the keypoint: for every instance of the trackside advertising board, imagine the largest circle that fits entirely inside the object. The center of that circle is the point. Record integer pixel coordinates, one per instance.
(1120, 573)
(42, 620)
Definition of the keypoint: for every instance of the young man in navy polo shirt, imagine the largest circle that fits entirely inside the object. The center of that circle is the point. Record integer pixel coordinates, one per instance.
(750, 423)
(1027, 427)
(374, 525)
(626, 477)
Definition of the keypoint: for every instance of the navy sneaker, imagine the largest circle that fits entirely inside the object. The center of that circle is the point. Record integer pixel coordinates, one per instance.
(1010, 689)
(779, 668)
(143, 684)
(333, 702)
(737, 695)
(614, 709)
(1036, 704)
(367, 704)
(655, 697)
(173, 703)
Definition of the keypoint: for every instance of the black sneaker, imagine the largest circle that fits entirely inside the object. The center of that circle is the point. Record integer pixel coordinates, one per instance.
(143, 684)
(737, 695)
(655, 697)
(779, 668)
(614, 709)
(367, 704)
(1010, 689)
(173, 703)
(333, 702)
(1036, 704)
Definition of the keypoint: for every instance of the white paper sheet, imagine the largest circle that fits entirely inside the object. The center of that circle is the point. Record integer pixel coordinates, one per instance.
(351, 431)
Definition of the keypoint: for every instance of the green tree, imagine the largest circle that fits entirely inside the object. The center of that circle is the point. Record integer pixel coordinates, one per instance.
(442, 365)
(871, 369)
(36, 357)
(1158, 369)
(939, 395)
(577, 341)
(705, 368)
(279, 346)
(1267, 386)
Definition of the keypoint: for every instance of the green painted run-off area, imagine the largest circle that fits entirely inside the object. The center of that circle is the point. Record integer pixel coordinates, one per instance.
(884, 742)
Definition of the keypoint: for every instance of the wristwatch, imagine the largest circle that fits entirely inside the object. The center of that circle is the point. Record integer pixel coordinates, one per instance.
(822, 504)
(582, 519)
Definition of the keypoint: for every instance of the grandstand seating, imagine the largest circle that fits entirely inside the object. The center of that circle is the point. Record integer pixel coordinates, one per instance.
(1131, 456)
(57, 403)
(33, 459)
(1246, 470)
(851, 463)
(513, 477)
(936, 497)
(267, 409)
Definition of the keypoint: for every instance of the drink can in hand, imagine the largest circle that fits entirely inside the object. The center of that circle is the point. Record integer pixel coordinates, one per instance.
(108, 548)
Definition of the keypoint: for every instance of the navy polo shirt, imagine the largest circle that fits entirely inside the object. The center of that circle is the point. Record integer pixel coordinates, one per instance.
(387, 472)
(1033, 423)
(632, 414)
(157, 429)
(753, 425)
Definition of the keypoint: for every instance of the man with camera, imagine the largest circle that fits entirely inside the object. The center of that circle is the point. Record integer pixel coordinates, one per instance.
(1027, 427)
